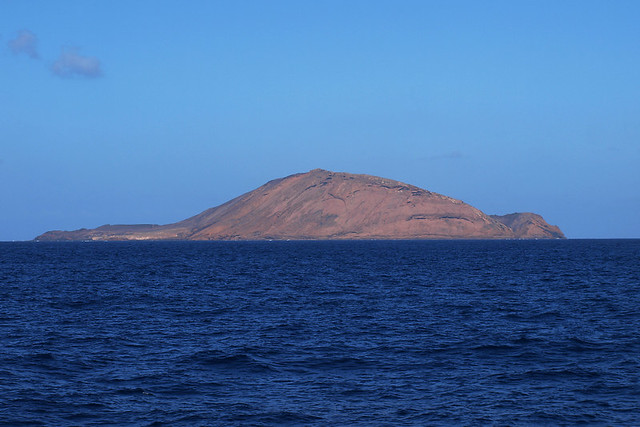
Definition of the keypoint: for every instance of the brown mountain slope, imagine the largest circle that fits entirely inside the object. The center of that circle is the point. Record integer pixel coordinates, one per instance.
(331, 205)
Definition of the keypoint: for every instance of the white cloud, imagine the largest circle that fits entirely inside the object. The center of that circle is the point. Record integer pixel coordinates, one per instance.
(70, 63)
(25, 42)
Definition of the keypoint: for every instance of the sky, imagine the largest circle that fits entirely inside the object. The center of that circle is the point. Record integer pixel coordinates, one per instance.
(121, 112)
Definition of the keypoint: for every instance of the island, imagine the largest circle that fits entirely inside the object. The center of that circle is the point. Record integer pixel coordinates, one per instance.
(321, 205)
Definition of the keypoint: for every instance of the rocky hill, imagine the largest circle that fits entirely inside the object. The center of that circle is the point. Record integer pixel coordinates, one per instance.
(322, 204)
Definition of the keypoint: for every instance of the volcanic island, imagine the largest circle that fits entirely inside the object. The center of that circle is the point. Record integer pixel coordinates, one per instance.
(325, 205)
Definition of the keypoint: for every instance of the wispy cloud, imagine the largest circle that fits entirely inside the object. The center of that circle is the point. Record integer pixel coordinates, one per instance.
(25, 42)
(71, 63)
(453, 155)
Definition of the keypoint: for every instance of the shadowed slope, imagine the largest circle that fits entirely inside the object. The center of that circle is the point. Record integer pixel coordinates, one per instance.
(529, 225)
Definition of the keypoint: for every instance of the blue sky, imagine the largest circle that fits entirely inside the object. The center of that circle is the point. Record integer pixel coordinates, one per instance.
(152, 111)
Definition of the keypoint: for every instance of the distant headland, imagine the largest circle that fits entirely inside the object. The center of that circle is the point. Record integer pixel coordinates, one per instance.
(321, 205)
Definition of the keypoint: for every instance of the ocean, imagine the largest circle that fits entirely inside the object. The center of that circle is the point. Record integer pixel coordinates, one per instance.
(320, 333)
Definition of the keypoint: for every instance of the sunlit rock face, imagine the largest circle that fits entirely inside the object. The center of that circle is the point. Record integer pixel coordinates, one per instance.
(321, 204)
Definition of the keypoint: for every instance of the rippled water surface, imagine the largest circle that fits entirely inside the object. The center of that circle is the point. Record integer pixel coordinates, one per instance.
(325, 333)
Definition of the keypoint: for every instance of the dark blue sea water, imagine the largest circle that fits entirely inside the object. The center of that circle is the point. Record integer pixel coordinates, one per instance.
(320, 333)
